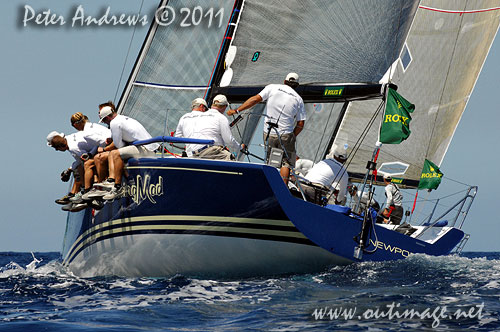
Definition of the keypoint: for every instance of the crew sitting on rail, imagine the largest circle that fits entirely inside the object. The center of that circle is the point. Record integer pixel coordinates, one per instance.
(124, 131)
(81, 145)
(80, 122)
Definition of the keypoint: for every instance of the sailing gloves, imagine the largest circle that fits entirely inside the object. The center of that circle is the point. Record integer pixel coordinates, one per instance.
(66, 175)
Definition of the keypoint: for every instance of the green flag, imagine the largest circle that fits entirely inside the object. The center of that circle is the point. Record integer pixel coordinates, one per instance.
(431, 176)
(395, 126)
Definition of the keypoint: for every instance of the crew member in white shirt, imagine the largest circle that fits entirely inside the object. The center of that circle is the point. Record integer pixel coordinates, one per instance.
(208, 124)
(329, 174)
(80, 145)
(284, 108)
(393, 209)
(124, 131)
(80, 122)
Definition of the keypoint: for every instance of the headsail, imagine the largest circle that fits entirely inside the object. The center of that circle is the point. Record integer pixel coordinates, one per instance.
(436, 70)
(175, 66)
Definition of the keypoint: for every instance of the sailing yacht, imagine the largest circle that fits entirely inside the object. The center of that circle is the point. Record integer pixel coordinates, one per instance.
(238, 219)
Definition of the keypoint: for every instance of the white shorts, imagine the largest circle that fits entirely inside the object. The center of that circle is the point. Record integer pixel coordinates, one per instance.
(132, 151)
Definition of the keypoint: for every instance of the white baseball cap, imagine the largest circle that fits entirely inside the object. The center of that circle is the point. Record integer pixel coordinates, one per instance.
(387, 177)
(104, 112)
(292, 77)
(197, 102)
(221, 100)
(51, 136)
(340, 151)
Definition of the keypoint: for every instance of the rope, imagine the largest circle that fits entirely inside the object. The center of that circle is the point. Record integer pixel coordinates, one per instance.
(126, 57)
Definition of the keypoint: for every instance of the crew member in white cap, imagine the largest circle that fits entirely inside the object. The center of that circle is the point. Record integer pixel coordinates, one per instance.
(81, 145)
(210, 124)
(328, 175)
(124, 131)
(284, 108)
(393, 209)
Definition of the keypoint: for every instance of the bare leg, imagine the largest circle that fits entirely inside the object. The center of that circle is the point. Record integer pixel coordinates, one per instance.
(116, 166)
(101, 165)
(285, 173)
(88, 173)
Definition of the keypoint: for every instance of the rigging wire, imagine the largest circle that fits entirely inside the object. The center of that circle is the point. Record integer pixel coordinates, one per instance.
(322, 136)
(128, 53)
(239, 133)
(357, 145)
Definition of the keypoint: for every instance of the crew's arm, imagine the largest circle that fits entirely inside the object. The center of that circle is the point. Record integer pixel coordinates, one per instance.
(249, 103)
(298, 127)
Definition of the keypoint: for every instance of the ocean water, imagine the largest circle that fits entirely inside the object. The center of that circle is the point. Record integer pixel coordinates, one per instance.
(453, 293)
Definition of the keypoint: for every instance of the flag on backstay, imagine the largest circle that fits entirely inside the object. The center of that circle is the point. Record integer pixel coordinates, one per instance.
(395, 126)
(431, 176)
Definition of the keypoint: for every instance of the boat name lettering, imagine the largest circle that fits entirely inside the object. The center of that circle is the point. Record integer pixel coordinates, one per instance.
(144, 189)
(388, 247)
(396, 118)
(333, 91)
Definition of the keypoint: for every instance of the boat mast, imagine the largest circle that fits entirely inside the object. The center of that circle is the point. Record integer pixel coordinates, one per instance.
(221, 59)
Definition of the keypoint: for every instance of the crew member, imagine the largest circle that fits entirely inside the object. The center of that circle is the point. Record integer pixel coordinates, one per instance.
(393, 211)
(124, 131)
(81, 145)
(284, 109)
(328, 175)
(209, 124)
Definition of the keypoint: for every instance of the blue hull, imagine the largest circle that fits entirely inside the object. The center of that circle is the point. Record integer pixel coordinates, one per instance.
(214, 218)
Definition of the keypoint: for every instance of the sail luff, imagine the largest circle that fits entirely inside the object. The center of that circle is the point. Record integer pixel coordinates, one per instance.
(473, 86)
(142, 53)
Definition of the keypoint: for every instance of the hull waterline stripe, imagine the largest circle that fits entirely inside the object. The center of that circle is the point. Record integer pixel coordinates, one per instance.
(129, 222)
(182, 229)
(185, 169)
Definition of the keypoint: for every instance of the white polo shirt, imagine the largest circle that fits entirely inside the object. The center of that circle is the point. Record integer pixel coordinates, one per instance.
(98, 129)
(325, 172)
(125, 131)
(284, 106)
(211, 125)
(83, 142)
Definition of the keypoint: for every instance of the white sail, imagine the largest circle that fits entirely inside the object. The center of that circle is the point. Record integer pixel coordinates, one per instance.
(175, 66)
(321, 40)
(437, 69)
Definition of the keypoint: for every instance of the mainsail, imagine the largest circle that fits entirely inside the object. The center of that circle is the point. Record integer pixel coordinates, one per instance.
(437, 69)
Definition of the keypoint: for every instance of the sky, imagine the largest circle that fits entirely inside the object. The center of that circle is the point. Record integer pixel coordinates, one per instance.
(50, 71)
